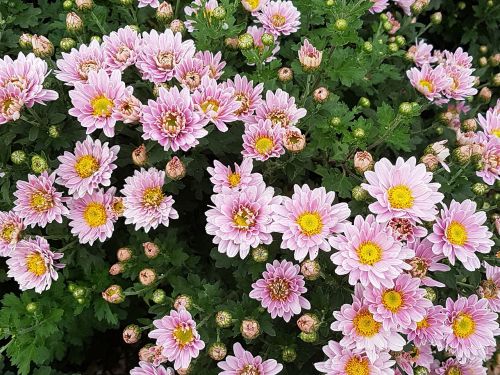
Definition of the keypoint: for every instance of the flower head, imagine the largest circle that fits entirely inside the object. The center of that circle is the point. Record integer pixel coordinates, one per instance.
(151, 3)
(213, 62)
(462, 82)
(11, 229)
(421, 53)
(452, 367)
(424, 261)
(262, 141)
(77, 65)
(223, 177)
(146, 368)
(248, 96)
(243, 362)
(431, 329)
(405, 230)
(280, 109)
(257, 33)
(491, 162)
(11, 103)
(279, 17)
(490, 288)
(120, 48)
(430, 82)
(309, 56)
(490, 123)
(378, 6)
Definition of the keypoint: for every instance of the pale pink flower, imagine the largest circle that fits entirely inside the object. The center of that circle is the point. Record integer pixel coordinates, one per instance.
(11, 103)
(248, 96)
(405, 5)
(262, 141)
(452, 366)
(421, 53)
(431, 329)
(424, 261)
(491, 162)
(430, 82)
(256, 33)
(459, 57)
(254, 6)
(120, 48)
(223, 177)
(214, 63)
(378, 6)
(77, 65)
(280, 109)
(11, 229)
(151, 3)
(309, 56)
(420, 356)
(128, 108)
(405, 230)
(462, 82)
(490, 288)
(279, 17)
(243, 362)
(190, 71)
(490, 123)
(146, 368)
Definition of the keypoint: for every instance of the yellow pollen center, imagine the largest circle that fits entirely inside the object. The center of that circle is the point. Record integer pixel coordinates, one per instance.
(392, 300)
(244, 218)
(102, 106)
(86, 166)
(279, 289)
(357, 366)
(456, 233)
(454, 371)
(427, 85)
(463, 326)
(400, 196)
(234, 179)
(278, 20)
(310, 223)
(172, 123)
(496, 133)
(249, 370)
(118, 207)
(369, 253)
(253, 4)
(40, 202)
(263, 145)
(365, 325)
(95, 214)
(36, 264)
(423, 324)
(183, 335)
(152, 197)
(210, 105)
(7, 232)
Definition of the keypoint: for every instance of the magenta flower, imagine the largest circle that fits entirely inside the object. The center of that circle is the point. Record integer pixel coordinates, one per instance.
(224, 178)
(490, 288)
(262, 141)
(172, 121)
(405, 230)
(378, 6)
(490, 123)
(38, 202)
(213, 62)
(160, 54)
(403, 190)
(240, 220)
(146, 205)
(11, 229)
(95, 102)
(280, 290)
(491, 162)
(369, 254)
(421, 53)
(190, 71)
(146, 368)
(429, 330)
(279, 17)
(120, 49)
(151, 3)
(459, 233)
(11, 103)
(424, 261)
(243, 362)
(77, 65)
(430, 82)
(248, 96)
(256, 33)
(280, 108)
(473, 328)
(89, 167)
(308, 219)
(452, 366)
(178, 336)
(33, 265)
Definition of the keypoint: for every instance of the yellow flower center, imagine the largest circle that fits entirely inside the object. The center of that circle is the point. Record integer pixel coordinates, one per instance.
(278, 20)
(95, 214)
(400, 196)
(279, 289)
(310, 223)
(234, 179)
(454, 370)
(278, 117)
(496, 133)
(183, 335)
(392, 300)
(426, 85)
(86, 166)
(7, 232)
(172, 123)
(253, 4)
(463, 325)
(456, 233)
(249, 370)
(423, 324)
(210, 105)
(102, 106)
(263, 145)
(36, 264)
(244, 218)
(369, 253)
(365, 325)
(357, 366)
(152, 197)
(41, 202)
(118, 207)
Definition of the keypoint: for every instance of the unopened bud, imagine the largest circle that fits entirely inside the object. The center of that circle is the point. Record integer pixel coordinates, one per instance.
(367, 47)
(116, 269)
(494, 60)
(364, 102)
(288, 354)
(496, 80)
(480, 189)
(114, 294)
(223, 319)
(42, 47)
(164, 12)
(31, 307)
(219, 13)
(483, 61)
(25, 41)
(405, 109)
(131, 334)
(175, 169)
(123, 254)
(309, 337)
(177, 26)
(393, 47)
(358, 133)
(430, 294)
(245, 41)
(469, 125)
(217, 351)
(321, 95)
(260, 254)
(285, 74)
(308, 323)
(84, 5)
(231, 43)
(18, 157)
(359, 194)
(140, 156)
(151, 250)
(67, 4)
(74, 23)
(341, 24)
(159, 296)
(293, 140)
(147, 276)
(436, 18)
(310, 269)
(462, 154)
(335, 121)
(39, 164)
(363, 161)
(250, 329)
(400, 40)
(96, 38)
(53, 131)
(485, 95)
(183, 302)
(267, 39)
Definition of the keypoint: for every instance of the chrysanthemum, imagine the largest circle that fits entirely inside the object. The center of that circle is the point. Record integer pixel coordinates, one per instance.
(403, 190)
(151, 3)
(257, 33)
(146, 205)
(280, 290)
(146, 368)
(95, 102)
(38, 202)
(161, 53)
(11, 228)
(87, 168)
(308, 219)
(120, 48)
(11, 103)
(490, 123)
(454, 367)
(491, 162)
(243, 362)
(128, 108)
(462, 82)
(279, 17)
(459, 57)
(424, 261)
(309, 56)
(490, 288)
(421, 53)
(240, 220)
(91, 217)
(460, 233)
(213, 62)
(172, 120)
(431, 329)
(280, 109)
(178, 336)
(430, 82)
(378, 6)
(253, 5)
(369, 254)
(405, 229)
(262, 141)
(473, 326)
(190, 71)
(248, 96)
(33, 265)
(223, 177)
(77, 65)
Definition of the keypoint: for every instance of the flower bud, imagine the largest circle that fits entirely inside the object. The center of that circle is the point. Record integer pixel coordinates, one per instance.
(400, 40)
(183, 302)
(223, 319)
(496, 80)
(217, 351)
(310, 269)
(250, 329)
(42, 47)
(79, 292)
(116, 269)
(335, 121)
(147, 276)
(175, 169)
(67, 4)
(308, 337)
(321, 95)
(288, 354)
(430, 161)
(293, 140)
(131, 334)
(231, 43)
(436, 18)
(114, 294)
(25, 41)
(151, 250)
(267, 39)
(245, 41)
(123, 254)
(31, 307)
(53, 131)
(469, 125)
(140, 156)
(84, 5)
(364, 102)
(146, 354)
(387, 25)
(363, 161)
(358, 133)
(483, 61)
(164, 12)
(367, 47)
(39, 164)
(420, 371)
(177, 26)
(405, 109)
(260, 254)
(462, 154)
(461, 5)
(485, 95)
(393, 47)
(126, 2)
(285, 74)
(159, 296)
(430, 294)
(359, 194)
(341, 25)
(497, 225)
(483, 49)
(184, 371)
(308, 323)
(96, 38)
(480, 189)
(18, 157)
(494, 60)
(66, 44)
(74, 23)
(219, 13)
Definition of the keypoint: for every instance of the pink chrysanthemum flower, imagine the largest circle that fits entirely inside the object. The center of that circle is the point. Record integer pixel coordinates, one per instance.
(361, 331)
(405, 230)
(146, 205)
(91, 217)
(454, 367)
(224, 178)
(378, 6)
(459, 57)
(190, 71)
(150, 3)
(473, 326)
(216, 103)
(400, 306)
(256, 33)
(95, 102)
(11, 229)
(460, 233)
(491, 162)
(248, 96)
(421, 53)
(33, 265)
(253, 5)
(280, 290)
(490, 123)
(309, 56)
(87, 168)
(213, 62)
(490, 288)
(120, 48)
(38, 202)
(430, 329)
(279, 17)
(430, 82)
(344, 361)
(280, 109)
(394, 22)
(77, 65)
(160, 54)
(405, 5)
(262, 141)
(146, 368)
(178, 335)
(240, 220)
(243, 362)
(172, 120)
(369, 254)
(424, 261)
(462, 82)
(403, 190)
(11, 103)
(308, 219)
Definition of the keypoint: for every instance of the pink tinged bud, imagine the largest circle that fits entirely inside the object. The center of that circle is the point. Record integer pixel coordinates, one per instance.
(147, 276)
(184, 371)
(430, 161)
(118, 207)
(223, 319)
(164, 12)
(123, 254)
(310, 269)
(294, 140)
(308, 323)
(250, 329)
(140, 156)
(217, 351)
(84, 5)
(183, 302)
(114, 294)
(145, 354)
(310, 57)
(25, 40)
(285, 74)
(73, 22)
(485, 94)
(177, 26)
(321, 95)
(42, 47)
(131, 334)
(363, 161)
(151, 250)
(175, 169)
(116, 269)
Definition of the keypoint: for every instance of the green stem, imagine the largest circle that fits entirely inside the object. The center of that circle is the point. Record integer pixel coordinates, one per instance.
(457, 175)
(98, 23)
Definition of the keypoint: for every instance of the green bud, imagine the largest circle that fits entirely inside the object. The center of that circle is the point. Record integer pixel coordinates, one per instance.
(288, 354)
(267, 39)
(480, 189)
(159, 296)
(335, 121)
(219, 13)
(72, 287)
(31, 307)
(461, 5)
(309, 337)
(53, 131)
(364, 102)
(406, 109)
(439, 130)
(67, 5)
(415, 107)
(483, 61)
(223, 319)
(136, 28)
(483, 49)
(496, 80)
(260, 254)
(217, 351)
(400, 40)
(430, 294)
(393, 47)
(330, 3)
(25, 41)
(79, 292)
(490, 3)
(383, 17)
(341, 24)
(387, 26)
(39, 164)
(245, 41)
(18, 157)
(81, 301)
(66, 44)
(486, 205)
(421, 371)
(367, 47)
(359, 194)
(96, 38)
(436, 18)
(358, 133)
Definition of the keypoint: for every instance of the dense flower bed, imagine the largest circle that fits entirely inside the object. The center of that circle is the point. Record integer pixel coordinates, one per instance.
(249, 188)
